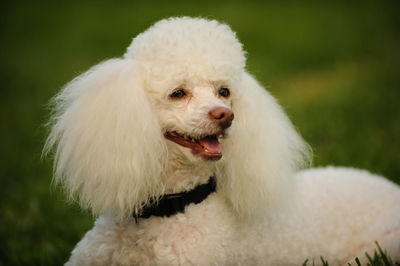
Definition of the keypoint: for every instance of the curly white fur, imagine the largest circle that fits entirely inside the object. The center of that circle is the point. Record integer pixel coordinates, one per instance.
(108, 131)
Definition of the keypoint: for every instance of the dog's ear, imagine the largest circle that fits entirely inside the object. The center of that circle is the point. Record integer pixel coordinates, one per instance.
(262, 153)
(109, 148)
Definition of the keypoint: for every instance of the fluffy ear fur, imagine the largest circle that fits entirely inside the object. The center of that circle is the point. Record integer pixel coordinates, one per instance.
(262, 153)
(109, 149)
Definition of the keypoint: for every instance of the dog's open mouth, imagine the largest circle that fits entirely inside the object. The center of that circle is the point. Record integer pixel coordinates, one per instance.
(207, 147)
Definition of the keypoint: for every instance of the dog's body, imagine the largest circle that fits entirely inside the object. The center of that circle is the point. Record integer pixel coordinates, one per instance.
(178, 108)
(208, 233)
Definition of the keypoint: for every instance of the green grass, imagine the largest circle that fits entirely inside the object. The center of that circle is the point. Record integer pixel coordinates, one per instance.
(380, 258)
(333, 66)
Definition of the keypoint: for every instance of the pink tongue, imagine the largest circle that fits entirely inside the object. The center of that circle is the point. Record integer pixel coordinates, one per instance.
(211, 144)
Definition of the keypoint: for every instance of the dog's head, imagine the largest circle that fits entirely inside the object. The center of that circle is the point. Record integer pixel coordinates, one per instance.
(180, 93)
(190, 68)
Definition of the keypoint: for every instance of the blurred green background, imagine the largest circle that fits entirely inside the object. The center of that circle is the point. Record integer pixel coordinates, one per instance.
(333, 66)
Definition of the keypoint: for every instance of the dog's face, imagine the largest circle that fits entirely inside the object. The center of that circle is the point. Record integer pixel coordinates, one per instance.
(191, 82)
(195, 117)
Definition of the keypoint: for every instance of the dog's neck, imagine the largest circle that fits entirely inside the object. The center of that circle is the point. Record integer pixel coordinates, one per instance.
(183, 175)
(185, 182)
(171, 204)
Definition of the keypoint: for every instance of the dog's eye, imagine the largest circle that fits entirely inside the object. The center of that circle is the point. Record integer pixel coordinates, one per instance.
(224, 92)
(178, 94)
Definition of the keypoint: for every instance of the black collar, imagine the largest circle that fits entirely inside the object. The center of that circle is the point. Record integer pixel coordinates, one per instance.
(171, 204)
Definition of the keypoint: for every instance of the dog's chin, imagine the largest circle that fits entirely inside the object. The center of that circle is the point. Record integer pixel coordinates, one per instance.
(207, 147)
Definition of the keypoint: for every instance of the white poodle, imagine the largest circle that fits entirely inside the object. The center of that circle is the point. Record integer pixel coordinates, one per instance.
(187, 160)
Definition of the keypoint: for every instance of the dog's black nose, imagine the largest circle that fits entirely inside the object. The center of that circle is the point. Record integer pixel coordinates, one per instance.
(222, 116)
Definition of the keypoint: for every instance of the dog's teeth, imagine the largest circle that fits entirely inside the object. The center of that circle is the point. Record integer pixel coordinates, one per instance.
(220, 135)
